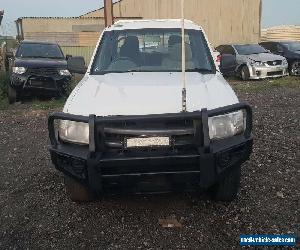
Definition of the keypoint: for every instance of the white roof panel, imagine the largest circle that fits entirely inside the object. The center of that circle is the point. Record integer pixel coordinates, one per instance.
(154, 23)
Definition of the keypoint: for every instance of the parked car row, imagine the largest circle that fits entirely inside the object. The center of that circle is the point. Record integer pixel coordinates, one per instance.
(41, 67)
(259, 61)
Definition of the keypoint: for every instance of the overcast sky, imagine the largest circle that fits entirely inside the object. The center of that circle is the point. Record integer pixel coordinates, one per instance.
(275, 12)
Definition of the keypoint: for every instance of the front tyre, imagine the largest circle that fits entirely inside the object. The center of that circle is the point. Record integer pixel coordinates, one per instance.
(76, 191)
(227, 188)
(295, 68)
(63, 91)
(245, 74)
(12, 95)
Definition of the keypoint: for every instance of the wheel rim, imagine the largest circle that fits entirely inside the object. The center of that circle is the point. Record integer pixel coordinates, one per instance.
(243, 74)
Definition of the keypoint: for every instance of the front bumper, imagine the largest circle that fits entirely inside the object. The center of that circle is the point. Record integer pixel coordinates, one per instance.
(199, 163)
(31, 82)
(266, 71)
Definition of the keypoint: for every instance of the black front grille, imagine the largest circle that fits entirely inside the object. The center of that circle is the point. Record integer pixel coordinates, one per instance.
(42, 83)
(275, 73)
(274, 63)
(43, 71)
(181, 133)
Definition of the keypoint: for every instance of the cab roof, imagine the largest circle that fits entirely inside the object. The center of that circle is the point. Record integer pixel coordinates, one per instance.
(38, 42)
(152, 24)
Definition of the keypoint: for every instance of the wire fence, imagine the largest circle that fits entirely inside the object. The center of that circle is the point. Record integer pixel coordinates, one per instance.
(85, 52)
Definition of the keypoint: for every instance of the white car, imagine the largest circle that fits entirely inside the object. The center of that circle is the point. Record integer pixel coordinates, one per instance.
(123, 126)
(251, 62)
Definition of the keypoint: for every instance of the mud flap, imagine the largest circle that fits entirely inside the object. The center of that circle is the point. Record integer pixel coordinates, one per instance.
(94, 175)
(207, 171)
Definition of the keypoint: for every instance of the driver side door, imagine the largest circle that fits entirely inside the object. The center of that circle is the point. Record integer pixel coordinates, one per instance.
(228, 60)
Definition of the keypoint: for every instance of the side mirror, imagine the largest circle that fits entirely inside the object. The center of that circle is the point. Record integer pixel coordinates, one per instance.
(68, 56)
(76, 64)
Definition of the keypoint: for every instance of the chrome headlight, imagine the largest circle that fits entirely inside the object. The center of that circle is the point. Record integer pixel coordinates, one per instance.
(18, 70)
(64, 72)
(257, 64)
(74, 132)
(285, 62)
(225, 126)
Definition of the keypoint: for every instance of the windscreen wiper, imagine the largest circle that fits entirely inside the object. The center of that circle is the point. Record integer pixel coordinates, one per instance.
(199, 70)
(117, 71)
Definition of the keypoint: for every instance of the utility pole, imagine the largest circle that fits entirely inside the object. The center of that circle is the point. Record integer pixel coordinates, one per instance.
(108, 13)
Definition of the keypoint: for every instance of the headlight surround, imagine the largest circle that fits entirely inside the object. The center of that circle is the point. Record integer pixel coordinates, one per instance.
(257, 64)
(224, 126)
(285, 62)
(64, 72)
(18, 70)
(74, 132)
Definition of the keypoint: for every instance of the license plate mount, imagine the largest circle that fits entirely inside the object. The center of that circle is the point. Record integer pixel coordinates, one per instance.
(36, 82)
(46, 83)
(145, 142)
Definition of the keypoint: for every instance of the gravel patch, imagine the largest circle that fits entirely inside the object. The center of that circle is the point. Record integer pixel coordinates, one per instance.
(35, 212)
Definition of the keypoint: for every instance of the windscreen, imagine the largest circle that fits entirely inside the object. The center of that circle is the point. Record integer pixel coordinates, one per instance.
(36, 50)
(151, 50)
(295, 46)
(250, 49)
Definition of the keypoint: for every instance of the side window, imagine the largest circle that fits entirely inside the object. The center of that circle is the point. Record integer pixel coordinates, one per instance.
(228, 50)
(267, 46)
(279, 48)
(272, 47)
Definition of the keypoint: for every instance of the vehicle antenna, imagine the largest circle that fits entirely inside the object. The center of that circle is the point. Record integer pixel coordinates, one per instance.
(183, 59)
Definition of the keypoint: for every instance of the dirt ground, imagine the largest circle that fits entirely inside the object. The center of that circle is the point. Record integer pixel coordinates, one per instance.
(35, 212)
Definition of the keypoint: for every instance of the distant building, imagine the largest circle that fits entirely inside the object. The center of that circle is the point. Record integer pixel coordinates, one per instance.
(225, 21)
(281, 33)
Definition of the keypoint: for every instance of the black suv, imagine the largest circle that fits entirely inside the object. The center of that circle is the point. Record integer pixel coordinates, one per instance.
(38, 68)
(290, 50)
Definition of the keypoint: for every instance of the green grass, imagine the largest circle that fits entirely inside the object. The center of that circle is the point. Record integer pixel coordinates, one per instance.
(261, 85)
(48, 105)
(4, 80)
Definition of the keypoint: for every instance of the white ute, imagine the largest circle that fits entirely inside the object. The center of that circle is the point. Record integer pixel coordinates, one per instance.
(123, 124)
(150, 89)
